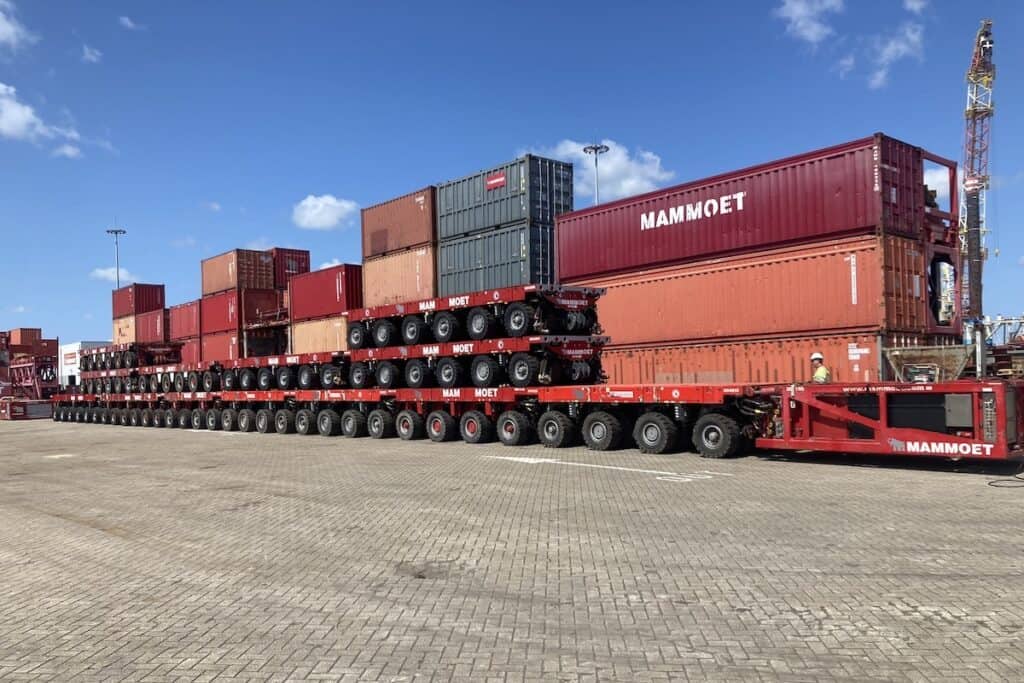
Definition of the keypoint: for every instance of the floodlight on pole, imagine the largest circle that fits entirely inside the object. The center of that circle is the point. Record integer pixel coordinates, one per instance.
(596, 150)
(117, 232)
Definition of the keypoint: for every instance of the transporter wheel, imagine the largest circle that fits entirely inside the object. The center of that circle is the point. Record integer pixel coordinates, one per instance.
(265, 421)
(56, 413)
(104, 416)
(73, 415)
(514, 428)
(353, 423)
(380, 424)
(170, 418)
(441, 426)
(284, 421)
(518, 319)
(655, 433)
(117, 360)
(285, 377)
(213, 420)
(179, 382)
(135, 417)
(475, 427)
(211, 381)
(330, 376)
(356, 336)
(184, 419)
(410, 425)
(383, 333)
(602, 431)
(307, 377)
(146, 418)
(154, 384)
(158, 418)
(413, 329)
(81, 414)
(246, 420)
(229, 419)
(305, 422)
(229, 380)
(387, 375)
(445, 327)
(265, 379)
(485, 372)
(480, 323)
(450, 373)
(114, 385)
(523, 370)
(247, 379)
(328, 422)
(194, 381)
(716, 435)
(95, 416)
(197, 418)
(129, 359)
(417, 374)
(359, 375)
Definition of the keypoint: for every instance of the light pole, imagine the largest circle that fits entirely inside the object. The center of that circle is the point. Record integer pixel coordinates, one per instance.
(117, 232)
(596, 150)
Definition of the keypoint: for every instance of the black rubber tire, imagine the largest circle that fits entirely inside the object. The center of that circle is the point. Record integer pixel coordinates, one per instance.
(246, 420)
(55, 413)
(518, 319)
(413, 330)
(211, 381)
(81, 413)
(523, 370)
(213, 420)
(229, 420)
(359, 375)
(380, 424)
(485, 372)
(417, 374)
(716, 435)
(116, 386)
(409, 425)
(307, 377)
(602, 431)
(328, 422)
(284, 378)
(184, 420)
(284, 421)
(246, 379)
(356, 336)
(450, 373)
(265, 379)
(129, 359)
(387, 375)
(194, 382)
(514, 428)
(135, 417)
(145, 418)
(445, 327)
(229, 379)
(113, 417)
(353, 424)
(179, 383)
(655, 433)
(265, 421)
(480, 323)
(198, 419)
(116, 360)
(159, 418)
(475, 427)
(441, 426)
(383, 333)
(170, 418)
(154, 384)
(305, 422)
(330, 376)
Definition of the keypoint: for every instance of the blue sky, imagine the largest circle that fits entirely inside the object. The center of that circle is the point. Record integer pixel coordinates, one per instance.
(201, 126)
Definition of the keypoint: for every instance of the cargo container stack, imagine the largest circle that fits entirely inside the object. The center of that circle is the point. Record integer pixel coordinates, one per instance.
(742, 276)
(239, 297)
(495, 228)
(400, 249)
(317, 301)
(139, 315)
(28, 363)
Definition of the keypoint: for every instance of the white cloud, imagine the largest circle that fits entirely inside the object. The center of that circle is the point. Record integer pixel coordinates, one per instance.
(19, 121)
(938, 179)
(212, 206)
(91, 55)
(68, 152)
(325, 212)
(127, 23)
(845, 65)
(908, 41)
(13, 34)
(18, 309)
(330, 264)
(807, 20)
(1020, 261)
(915, 6)
(621, 173)
(109, 275)
(259, 244)
(185, 242)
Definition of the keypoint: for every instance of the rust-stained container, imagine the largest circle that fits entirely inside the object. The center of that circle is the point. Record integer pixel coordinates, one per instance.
(238, 269)
(152, 327)
(872, 185)
(231, 310)
(221, 346)
(47, 347)
(403, 276)
(184, 321)
(191, 351)
(399, 223)
(137, 298)
(317, 336)
(327, 292)
(882, 283)
(288, 263)
(851, 356)
(124, 330)
(25, 336)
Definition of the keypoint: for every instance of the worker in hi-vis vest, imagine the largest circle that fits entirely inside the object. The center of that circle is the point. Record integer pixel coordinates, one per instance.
(822, 375)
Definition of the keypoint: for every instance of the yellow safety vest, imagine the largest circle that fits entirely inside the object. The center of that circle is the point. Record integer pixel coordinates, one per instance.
(822, 375)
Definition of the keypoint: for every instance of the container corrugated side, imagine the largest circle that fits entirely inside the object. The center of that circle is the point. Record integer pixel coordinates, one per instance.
(124, 330)
(221, 346)
(519, 254)
(326, 292)
(25, 336)
(867, 186)
(529, 188)
(239, 268)
(185, 321)
(231, 310)
(403, 276)
(399, 223)
(151, 327)
(287, 264)
(136, 298)
(318, 336)
(191, 351)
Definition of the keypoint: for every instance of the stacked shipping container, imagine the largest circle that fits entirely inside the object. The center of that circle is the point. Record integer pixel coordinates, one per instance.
(399, 241)
(139, 315)
(317, 301)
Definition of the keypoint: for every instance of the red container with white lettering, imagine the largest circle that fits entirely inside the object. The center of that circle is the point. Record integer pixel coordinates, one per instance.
(327, 292)
(874, 185)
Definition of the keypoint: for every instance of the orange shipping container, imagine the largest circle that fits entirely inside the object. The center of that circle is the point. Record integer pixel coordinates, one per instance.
(883, 283)
(399, 223)
(403, 276)
(26, 336)
(124, 330)
(238, 269)
(317, 336)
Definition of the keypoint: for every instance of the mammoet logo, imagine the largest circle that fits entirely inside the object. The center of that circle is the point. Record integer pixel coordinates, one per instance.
(431, 350)
(485, 393)
(693, 211)
(458, 301)
(949, 448)
(428, 305)
(462, 348)
(451, 393)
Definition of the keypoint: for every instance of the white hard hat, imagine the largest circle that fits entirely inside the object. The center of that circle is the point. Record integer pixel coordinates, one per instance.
(817, 356)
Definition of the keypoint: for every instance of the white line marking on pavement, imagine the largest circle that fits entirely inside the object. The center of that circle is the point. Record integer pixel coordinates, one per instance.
(57, 456)
(680, 477)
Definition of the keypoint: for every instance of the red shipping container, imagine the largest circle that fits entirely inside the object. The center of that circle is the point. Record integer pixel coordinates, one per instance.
(46, 347)
(288, 263)
(137, 298)
(184, 321)
(191, 351)
(224, 313)
(25, 336)
(325, 293)
(151, 327)
(222, 346)
(871, 185)
(399, 223)
(238, 269)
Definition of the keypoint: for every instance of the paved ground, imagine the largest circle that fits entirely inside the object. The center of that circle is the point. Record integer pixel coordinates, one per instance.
(130, 553)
